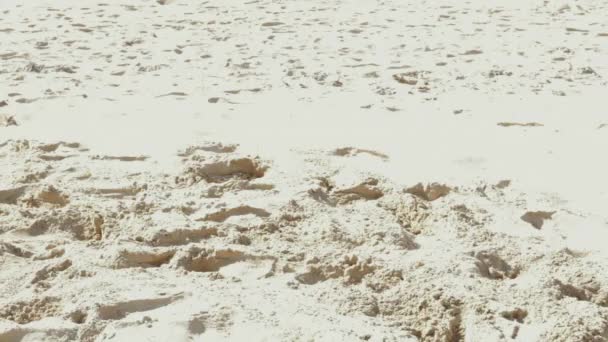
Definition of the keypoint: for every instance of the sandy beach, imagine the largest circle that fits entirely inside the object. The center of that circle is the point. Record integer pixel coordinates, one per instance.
(322, 170)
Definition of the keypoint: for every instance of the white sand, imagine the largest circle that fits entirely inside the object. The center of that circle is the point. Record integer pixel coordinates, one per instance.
(303, 170)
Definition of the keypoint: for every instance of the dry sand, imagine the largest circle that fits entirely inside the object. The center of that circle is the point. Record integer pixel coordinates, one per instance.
(323, 170)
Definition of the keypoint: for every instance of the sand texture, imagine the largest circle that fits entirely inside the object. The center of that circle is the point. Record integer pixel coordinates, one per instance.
(322, 170)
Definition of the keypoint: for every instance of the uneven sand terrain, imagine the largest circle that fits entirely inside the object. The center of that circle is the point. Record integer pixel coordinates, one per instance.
(323, 170)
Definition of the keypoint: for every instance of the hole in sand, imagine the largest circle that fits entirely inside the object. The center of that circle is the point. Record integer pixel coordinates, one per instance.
(537, 218)
(430, 192)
